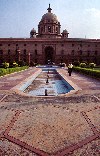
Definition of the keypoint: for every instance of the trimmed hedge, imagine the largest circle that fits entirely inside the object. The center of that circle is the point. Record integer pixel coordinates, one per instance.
(11, 70)
(91, 72)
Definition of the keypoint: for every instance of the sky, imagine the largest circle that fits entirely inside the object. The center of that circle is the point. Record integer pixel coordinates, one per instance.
(80, 17)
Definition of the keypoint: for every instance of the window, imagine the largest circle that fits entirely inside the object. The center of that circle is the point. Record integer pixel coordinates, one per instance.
(1, 52)
(35, 44)
(56, 29)
(35, 60)
(35, 52)
(24, 51)
(62, 45)
(72, 45)
(8, 51)
(80, 52)
(0, 44)
(80, 45)
(24, 59)
(72, 52)
(96, 53)
(49, 29)
(24, 44)
(62, 52)
(88, 45)
(16, 44)
(88, 53)
(8, 44)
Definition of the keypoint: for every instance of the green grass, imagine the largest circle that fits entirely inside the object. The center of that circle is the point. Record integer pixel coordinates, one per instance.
(11, 70)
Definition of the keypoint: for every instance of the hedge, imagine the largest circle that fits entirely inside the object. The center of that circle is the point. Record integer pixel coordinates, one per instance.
(11, 70)
(91, 72)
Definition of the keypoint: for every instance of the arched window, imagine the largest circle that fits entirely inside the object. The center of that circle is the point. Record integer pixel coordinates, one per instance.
(49, 29)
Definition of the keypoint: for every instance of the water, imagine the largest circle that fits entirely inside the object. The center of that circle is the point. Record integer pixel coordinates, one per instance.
(55, 84)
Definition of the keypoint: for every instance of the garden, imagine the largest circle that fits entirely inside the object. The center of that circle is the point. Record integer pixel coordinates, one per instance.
(90, 69)
(7, 68)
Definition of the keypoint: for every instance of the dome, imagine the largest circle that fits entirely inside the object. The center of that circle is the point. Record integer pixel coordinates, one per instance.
(33, 31)
(65, 31)
(49, 17)
(49, 26)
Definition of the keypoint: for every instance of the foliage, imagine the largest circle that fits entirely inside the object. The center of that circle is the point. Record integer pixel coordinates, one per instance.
(92, 65)
(88, 71)
(62, 64)
(82, 65)
(11, 70)
(33, 64)
(5, 65)
(76, 63)
(15, 64)
(21, 63)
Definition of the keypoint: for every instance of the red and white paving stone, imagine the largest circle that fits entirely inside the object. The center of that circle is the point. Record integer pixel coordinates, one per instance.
(44, 126)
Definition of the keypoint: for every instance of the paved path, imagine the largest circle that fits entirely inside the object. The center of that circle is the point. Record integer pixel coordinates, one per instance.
(44, 126)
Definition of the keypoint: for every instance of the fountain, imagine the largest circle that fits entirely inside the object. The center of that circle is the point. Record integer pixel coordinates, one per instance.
(53, 85)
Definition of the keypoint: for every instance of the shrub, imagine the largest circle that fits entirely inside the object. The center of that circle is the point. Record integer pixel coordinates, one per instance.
(82, 65)
(92, 65)
(21, 63)
(15, 64)
(5, 65)
(33, 64)
(87, 71)
(76, 63)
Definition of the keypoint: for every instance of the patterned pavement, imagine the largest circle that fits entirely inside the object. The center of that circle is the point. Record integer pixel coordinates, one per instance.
(42, 126)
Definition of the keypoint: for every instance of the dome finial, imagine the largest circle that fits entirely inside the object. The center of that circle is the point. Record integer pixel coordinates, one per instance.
(49, 9)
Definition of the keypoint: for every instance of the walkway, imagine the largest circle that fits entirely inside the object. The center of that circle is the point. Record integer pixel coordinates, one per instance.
(44, 126)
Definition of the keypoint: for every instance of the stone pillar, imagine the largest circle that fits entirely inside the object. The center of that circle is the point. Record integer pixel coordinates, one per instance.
(29, 58)
(18, 51)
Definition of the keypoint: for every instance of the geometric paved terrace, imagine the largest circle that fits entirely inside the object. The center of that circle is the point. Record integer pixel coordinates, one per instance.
(66, 125)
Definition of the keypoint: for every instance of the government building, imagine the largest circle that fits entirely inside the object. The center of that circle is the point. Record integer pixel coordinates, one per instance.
(49, 43)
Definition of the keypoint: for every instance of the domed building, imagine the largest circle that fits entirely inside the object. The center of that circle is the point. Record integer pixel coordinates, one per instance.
(49, 26)
(49, 44)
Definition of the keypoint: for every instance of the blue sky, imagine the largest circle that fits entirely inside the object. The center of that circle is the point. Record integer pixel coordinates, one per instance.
(80, 17)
